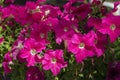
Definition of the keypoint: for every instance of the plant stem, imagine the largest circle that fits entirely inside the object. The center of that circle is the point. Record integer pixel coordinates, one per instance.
(76, 73)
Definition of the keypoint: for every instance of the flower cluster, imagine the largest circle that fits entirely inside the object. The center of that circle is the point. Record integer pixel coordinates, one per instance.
(79, 28)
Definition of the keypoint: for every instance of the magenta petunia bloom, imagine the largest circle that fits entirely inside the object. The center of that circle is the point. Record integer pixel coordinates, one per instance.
(6, 67)
(31, 50)
(6, 63)
(39, 32)
(101, 42)
(30, 5)
(116, 10)
(82, 11)
(53, 60)
(50, 11)
(33, 14)
(92, 22)
(82, 46)
(64, 31)
(33, 73)
(111, 26)
(18, 45)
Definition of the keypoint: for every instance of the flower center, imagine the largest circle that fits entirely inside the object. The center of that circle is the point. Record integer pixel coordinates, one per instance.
(33, 51)
(65, 29)
(20, 45)
(42, 35)
(95, 41)
(82, 45)
(41, 54)
(47, 12)
(113, 27)
(35, 10)
(53, 60)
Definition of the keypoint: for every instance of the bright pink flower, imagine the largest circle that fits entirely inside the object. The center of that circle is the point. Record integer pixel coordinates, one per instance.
(6, 12)
(40, 32)
(31, 51)
(68, 7)
(30, 5)
(33, 73)
(82, 46)
(82, 11)
(36, 17)
(21, 14)
(101, 42)
(53, 60)
(52, 22)
(34, 13)
(6, 67)
(50, 11)
(116, 10)
(76, 13)
(110, 26)
(100, 39)
(97, 2)
(64, 31)
(18, 45)
(6, 63)
(92, 22)
(8, 57)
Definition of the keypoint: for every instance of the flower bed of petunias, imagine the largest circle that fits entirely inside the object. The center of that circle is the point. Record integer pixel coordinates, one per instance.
(64, 40)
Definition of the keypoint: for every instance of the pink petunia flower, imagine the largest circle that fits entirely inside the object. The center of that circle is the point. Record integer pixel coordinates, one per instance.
(39, 32)
(31, 50)
(111, 26)
(101, 42)
(53, 60)
(50, 11)
(82, 46)
(6, 63)
(82, 11)
(64, 31)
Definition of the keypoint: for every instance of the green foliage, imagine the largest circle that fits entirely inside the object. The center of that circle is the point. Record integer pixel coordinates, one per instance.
(18, 72)
(9, 33)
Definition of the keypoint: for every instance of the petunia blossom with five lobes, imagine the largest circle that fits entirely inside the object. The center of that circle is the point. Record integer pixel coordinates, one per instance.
(31, 51)
(54, 61)
(110, 25)
(82, 46)
(39, 32)
(64, 31)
